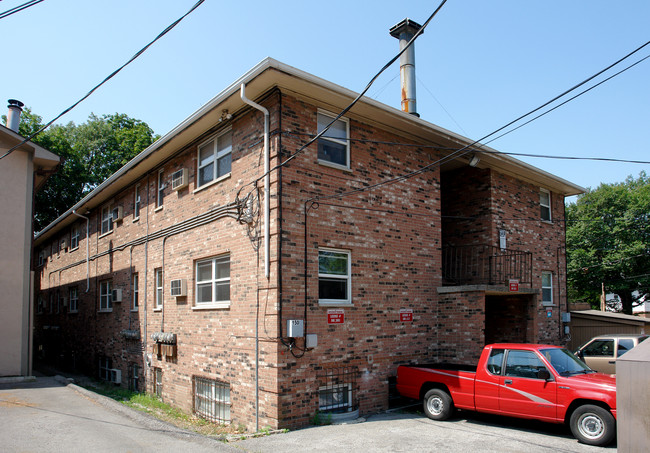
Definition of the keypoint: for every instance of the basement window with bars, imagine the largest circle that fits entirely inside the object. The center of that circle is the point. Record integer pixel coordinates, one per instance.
(212, 399)
(338, 390)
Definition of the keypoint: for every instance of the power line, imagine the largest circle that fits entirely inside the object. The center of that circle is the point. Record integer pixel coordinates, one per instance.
(113, 74)
(19, 8)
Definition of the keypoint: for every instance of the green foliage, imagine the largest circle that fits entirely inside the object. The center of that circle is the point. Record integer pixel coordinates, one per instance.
(608, 241)
(90, 153)
(321, 418)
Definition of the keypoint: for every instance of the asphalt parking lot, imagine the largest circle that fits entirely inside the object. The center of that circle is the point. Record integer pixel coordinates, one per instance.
(47, 415)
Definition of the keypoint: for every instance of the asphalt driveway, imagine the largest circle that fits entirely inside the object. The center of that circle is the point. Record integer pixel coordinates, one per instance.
(47, 415)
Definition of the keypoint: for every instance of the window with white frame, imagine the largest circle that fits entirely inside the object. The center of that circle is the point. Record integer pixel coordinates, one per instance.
(334, 146)
(547, 288)
(105, 365)
(160, 191)
(105, 295)
(157, 382)
(545, 204)
(213, 282)
(74, 237)
(212, 399)
(106, 225)
(335, 397)
(215, 158)
(334, 276)
(159, 289)
(137, 203)
(73, 302)
(136, 292)
(41, 258)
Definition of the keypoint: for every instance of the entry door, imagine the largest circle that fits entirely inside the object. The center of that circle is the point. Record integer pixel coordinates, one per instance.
(522, 392)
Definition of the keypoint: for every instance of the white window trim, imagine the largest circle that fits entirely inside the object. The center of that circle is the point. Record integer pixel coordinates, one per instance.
(76, 299)
(550, 211)
(108, 295)
(137, 203)
(135, 287)
(217, 178)
(346, 143)
(75, 231)
(109, 209)
(215, 304)
(158, 302)
(348, 277)
(551, 302)
(160, 187)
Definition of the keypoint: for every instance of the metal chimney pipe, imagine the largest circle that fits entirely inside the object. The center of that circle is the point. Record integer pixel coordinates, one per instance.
(404, 31)
(13, 115)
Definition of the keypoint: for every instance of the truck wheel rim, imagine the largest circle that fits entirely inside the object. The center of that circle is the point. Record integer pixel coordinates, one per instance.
(591, 426)
(435, 405)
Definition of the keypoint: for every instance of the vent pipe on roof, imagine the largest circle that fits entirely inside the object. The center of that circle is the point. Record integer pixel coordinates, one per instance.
(13, 115)
(404, 31)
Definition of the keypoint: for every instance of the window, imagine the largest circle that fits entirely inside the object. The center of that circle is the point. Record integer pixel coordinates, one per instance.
(495, 361)
(333, 146)
(599, 348)
(136, 292)
(105, 366)
(73, 294)
(524, 364)
(106, 220)
(74, 237)
(213, 282)
(547, 288)
(105, 296)
(157, 382)
(39, 305)
(333, 276)
(160, 193)
(136, 203)
(212, 399)
(41, 258)
(545, 204)
(159, 289)
(338, 386)
(58, 302)
(624, 345)
(51, 303)
(134, 377)
(215, 158)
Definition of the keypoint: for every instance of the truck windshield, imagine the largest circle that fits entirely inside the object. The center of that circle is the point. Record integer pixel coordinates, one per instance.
(565, 363)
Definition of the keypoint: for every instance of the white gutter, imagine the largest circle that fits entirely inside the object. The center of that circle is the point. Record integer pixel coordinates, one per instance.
(267, 177)
(87, 248)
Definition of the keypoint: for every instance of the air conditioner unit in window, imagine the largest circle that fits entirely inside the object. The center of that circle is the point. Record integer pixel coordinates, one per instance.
(178, 287)
(179, 179)
(117, 295)
(118, 213)
(115, 376)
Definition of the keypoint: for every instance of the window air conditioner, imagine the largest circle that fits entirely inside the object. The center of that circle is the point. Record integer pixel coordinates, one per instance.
(117, 295)
(115, 376)
(179, 179)
(178, 287)
(118, 213)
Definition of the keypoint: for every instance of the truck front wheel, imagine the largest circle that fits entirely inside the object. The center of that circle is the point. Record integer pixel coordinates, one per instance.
(438, 404)
(593, 425)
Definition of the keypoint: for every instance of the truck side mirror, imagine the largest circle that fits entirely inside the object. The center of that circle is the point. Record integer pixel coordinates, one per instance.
(543, 374)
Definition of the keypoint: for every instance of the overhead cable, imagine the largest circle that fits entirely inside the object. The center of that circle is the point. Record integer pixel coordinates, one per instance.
(19, 8)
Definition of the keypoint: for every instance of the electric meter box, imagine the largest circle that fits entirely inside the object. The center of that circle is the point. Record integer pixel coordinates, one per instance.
(295, 328)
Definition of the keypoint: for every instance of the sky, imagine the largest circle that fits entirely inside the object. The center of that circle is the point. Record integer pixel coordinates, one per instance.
(479, 64)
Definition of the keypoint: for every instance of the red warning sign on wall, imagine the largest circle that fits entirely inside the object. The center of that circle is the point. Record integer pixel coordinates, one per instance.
(514, 285)
(336, 316)
(406, 315)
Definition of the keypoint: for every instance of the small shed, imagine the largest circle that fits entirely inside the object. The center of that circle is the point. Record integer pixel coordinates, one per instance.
(633, 399)
(586, 324)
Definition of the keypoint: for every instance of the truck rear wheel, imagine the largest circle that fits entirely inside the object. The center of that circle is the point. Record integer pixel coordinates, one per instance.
(438, 404)
(593, 425)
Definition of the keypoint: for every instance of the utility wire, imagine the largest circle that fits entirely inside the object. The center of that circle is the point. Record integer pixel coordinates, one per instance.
(113, 74)
(19, 8)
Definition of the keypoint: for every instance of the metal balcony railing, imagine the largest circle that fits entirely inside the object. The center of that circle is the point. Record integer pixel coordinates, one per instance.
(485, 265)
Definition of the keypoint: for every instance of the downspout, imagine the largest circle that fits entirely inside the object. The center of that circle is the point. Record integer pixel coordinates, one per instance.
(266, 242)
(87, 248)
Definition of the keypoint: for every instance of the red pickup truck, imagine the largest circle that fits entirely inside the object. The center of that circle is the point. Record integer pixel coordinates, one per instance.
(520, 380)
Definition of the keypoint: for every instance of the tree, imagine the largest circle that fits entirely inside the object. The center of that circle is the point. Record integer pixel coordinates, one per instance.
(608, 242)
(90, 153)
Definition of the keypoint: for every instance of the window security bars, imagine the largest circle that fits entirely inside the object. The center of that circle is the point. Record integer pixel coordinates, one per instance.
(338, 391)
(212, 399)
(485, 265)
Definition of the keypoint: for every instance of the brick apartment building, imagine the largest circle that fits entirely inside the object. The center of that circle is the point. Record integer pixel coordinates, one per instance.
(159, 279)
